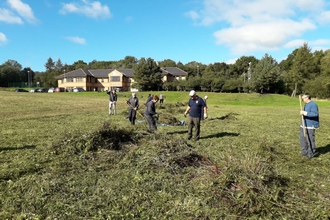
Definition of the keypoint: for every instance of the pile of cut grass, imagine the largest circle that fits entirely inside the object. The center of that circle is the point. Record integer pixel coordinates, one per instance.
(87, 177)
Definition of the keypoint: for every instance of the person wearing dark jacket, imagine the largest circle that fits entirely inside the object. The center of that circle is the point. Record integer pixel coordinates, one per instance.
(197, 111)
(112, 102)
(150, 114)
(149, 98)
(133, 103)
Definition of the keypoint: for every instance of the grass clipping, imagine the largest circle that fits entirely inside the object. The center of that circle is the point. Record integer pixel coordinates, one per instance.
(163, 176)
(107, 136)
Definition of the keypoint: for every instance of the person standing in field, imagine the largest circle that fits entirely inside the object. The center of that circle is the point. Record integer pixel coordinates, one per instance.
(204, 99)
(311, 121)
(197, 110)
(161, 98)
(149, 98)
(133, 103)
(112, 102)
(150, 114)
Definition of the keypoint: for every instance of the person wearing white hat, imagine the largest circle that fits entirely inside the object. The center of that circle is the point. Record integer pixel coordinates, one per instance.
(205, 98)
(197, 111)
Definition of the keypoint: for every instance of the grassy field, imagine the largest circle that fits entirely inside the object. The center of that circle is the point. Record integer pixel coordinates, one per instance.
(63, 157)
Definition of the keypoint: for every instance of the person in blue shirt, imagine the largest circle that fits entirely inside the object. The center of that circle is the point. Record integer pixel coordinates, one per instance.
(311, 121)
(197, 111)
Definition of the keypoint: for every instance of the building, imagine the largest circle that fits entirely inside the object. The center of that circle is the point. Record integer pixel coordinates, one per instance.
(108, 79)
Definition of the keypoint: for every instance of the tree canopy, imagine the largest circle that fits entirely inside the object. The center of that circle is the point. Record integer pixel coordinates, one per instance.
(302, 71)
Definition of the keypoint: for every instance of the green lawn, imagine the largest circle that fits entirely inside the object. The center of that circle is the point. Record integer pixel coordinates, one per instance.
(63, 157)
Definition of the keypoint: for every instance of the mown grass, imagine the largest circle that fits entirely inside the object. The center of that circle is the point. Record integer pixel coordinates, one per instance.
(63, 157)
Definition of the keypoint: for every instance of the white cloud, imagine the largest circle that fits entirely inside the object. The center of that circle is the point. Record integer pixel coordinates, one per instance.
(8, 17)
(261, 36)
(77, 40)
(3, 39)
(324, 17)
(295, 43)
(319, 42)
(93, 9)
(192, 15)
(259, 25)
(23, 10)
(231, 61)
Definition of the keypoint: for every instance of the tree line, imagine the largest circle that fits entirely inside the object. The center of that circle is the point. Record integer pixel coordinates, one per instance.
(302, 71)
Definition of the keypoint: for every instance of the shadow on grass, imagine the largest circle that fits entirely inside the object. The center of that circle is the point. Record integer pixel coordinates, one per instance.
(323, 150)
(231, 115)
(18, 148)
(178, 132)
(222, 134)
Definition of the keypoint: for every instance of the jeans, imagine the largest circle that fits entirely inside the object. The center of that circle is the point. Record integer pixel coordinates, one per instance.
(194, 122)
(112, 107)
(151, 122)
(307, 143)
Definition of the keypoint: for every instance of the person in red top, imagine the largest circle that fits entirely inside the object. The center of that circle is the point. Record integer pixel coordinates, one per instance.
(197, 111)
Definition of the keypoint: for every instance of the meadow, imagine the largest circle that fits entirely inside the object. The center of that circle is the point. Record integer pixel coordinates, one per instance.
(63, 157)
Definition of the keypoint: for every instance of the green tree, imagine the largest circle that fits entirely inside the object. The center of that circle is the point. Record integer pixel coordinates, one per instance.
(50, 65)
(194, 68)
(265, 75)
(193, 83)
(301, 69)
(317, 59)
(286, 64)
(80, 64)
(217, 84)
(127, 63)
(325, 64)
(10, 72)
(241, 66)
(167, 63)
(147, 75)
(59, 65)
(94, 65)
(319, 87)
(48, 79)
(232, 85)
(218, 69)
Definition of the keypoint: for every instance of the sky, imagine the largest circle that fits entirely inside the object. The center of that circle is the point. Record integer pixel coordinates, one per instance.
(205, 31)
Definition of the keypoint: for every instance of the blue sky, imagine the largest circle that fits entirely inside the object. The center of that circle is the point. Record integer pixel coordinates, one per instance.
(205, 31)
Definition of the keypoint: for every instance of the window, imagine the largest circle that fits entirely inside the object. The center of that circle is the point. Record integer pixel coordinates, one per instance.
(80, 79)
(115, 78)
(102, 80)
(69, 79)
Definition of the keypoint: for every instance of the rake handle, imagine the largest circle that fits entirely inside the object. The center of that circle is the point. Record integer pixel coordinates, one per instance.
(302, 117)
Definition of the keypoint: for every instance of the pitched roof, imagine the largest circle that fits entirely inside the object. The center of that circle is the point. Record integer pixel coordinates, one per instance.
(127, 72)
(74, 73)
(102, 73)
(175, 71)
